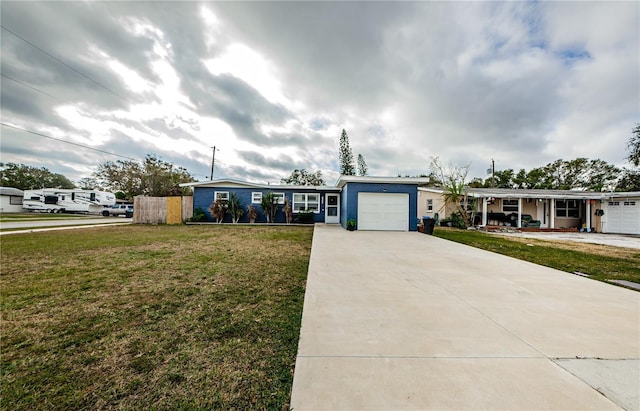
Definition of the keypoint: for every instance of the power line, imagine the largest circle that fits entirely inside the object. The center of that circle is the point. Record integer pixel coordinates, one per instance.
(31, 87)
(65, 141)
(65, 64)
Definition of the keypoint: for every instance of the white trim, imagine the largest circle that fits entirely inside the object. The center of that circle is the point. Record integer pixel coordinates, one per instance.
(327, 218)
(255, 194)
(216, 193)
(305, 203)
(342, 180)
(280, 197)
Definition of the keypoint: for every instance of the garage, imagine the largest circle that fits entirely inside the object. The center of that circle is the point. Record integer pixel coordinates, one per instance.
(623, 216)
(383, 211)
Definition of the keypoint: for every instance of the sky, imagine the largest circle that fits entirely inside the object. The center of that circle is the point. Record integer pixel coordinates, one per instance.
(272, 84)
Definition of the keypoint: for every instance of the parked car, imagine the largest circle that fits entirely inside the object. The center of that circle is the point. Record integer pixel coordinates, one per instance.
(119, 209)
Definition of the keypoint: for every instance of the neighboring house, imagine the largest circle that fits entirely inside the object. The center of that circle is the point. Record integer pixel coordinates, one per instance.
(10, 200)
(376, 203)
(602, 211)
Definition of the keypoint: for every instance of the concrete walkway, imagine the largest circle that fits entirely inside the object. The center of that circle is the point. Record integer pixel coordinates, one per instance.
(406, 321)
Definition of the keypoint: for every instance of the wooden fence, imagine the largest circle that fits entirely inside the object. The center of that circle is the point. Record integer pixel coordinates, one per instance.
(162, 210)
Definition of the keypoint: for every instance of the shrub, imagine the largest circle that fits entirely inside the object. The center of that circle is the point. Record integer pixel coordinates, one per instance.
(198, 215)
(304, 217)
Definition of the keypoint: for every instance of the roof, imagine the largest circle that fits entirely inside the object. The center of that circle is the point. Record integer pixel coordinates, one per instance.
(343, 179)
(230, 182)
(10, 191)
(537, 193)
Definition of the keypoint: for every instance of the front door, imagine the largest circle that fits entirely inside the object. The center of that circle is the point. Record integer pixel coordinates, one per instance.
(332, 208)
(542, 214)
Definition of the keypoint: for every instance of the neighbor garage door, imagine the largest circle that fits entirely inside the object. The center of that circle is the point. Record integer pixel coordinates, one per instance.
(383, 211)
(623, 216)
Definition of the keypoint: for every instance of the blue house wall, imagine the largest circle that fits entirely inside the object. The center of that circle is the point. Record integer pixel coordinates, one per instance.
(203, 197)
(349, 199)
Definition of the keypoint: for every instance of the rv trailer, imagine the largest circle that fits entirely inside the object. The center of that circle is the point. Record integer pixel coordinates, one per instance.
(56, 200)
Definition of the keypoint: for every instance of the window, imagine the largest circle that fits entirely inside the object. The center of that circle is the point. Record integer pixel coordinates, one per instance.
(614, 203)
(509, 205)
(306, 202)
(279, 197)
(256, 197)
(221, 195)
(629, 203)
(15, 200)
(429, 205)
(567, 208)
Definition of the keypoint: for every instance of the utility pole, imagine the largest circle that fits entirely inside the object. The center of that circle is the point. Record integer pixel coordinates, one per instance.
(213, 162)
(493, 173)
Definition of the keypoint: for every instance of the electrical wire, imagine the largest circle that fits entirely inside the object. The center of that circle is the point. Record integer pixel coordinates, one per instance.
(67, 142)
(64, 64)
(31, 87)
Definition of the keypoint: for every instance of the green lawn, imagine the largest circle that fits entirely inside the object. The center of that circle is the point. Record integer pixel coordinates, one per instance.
(151, 317)
(599, 261)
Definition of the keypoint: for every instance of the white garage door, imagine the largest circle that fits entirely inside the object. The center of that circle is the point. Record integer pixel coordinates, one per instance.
(623, 216)
(383, 211)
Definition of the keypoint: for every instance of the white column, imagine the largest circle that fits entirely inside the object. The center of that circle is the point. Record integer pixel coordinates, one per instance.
(588, 216)
(519, 212)
(552, 214)
(485, 202)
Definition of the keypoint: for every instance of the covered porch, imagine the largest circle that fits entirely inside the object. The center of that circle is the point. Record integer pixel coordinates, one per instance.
(539, 209)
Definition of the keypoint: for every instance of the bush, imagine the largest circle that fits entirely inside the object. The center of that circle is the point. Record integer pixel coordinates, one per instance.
(304, 217)
(198, 215)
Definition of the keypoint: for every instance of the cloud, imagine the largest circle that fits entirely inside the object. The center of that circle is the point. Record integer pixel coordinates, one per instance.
(272, 84)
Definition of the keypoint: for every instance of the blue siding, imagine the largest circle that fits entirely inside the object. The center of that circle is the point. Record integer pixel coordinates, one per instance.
(203, 197)
(349, 200)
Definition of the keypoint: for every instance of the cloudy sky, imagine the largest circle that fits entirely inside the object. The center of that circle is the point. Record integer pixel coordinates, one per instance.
(272, 84)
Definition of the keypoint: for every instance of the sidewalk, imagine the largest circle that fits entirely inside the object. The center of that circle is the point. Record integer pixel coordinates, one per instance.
(409, 321)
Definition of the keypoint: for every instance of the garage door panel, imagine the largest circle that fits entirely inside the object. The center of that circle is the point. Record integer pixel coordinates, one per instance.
(623, 217)
(383, 211)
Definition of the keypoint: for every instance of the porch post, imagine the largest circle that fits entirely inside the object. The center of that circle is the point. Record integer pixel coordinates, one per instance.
(485, 201)
(588, 215)
(519, 212)
(552, 214)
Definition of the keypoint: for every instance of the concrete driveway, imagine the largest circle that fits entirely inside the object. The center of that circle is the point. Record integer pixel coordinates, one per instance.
(398, 321)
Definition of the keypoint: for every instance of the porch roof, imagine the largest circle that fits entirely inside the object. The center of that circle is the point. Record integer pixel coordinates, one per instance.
(537, 194)
(534, 193)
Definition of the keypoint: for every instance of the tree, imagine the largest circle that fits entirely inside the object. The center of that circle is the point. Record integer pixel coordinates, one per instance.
(304, 178)
(634, 147)
(346, 156)
(501, 179)
(362, 166)
(25, 177)
(235, 207)
(630, 177)
(630, 180)
(453, 179)
(578, 174)
(153, 177)
(89, 183)
(269, 204)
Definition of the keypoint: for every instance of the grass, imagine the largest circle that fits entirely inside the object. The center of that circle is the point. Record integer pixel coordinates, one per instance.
(152, 317)
(601, 262)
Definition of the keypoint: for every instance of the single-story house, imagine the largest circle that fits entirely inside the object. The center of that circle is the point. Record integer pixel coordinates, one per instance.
(11, 200)
(376, 203)
(606, 212)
